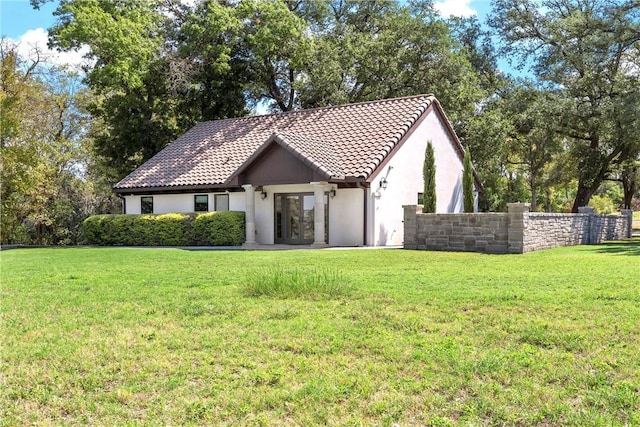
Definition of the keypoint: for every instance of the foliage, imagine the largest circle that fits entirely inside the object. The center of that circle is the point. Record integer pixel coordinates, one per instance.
(172, 229)
(585, 52)
(429, 176)
(172, 64)
(220, 228)
(468, 184)
(296, 283)
(630, 179)
(602, 204)
(516, 145)
(150, 82)
(117, 336)
(373, 50)
(158, 67)
(46, 190)
(277, 48)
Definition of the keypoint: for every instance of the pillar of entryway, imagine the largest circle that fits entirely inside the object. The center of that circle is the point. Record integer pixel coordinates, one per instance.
(318, 213)
(250, 215)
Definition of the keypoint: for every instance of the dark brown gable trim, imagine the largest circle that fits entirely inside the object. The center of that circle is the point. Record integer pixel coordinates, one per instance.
(276, 165)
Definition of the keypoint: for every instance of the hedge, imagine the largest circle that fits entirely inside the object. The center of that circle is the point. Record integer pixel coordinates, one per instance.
(171, 229)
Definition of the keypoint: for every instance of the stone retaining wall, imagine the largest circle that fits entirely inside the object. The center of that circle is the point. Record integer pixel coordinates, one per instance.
(516, 231)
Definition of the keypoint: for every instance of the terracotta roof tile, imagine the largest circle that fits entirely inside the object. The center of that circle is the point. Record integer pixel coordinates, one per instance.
(347, 141)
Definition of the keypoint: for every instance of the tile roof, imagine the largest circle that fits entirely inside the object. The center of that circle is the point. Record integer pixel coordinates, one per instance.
(347, 141)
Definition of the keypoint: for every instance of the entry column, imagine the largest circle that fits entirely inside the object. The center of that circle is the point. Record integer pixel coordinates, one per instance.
(250, 215)
(318, 213)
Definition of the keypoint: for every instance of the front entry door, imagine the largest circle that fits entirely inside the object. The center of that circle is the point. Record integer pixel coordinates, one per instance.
(294, 218)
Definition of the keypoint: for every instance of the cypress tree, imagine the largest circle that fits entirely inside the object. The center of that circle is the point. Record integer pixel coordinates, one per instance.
(467, 182)
(429, 173)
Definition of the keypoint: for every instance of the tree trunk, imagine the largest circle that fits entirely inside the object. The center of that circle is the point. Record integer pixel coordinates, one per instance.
(547, 194)
(534, 194)
(583, 196)
(629, 185)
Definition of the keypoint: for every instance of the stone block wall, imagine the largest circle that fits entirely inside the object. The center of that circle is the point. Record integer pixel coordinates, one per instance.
(516, 231)
(548, 230)
(610, 227)
(455, 232)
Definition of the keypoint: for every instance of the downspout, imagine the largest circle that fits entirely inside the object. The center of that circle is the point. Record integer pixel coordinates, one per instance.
(364, 225)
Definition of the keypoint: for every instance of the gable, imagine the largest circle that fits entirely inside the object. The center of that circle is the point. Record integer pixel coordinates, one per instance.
(276, 165)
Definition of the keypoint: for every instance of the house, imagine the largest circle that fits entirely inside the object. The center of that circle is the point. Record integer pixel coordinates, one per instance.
(335, 176)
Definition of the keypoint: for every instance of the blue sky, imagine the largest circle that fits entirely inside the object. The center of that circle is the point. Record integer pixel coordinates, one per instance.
(17, 17)
(20, 22)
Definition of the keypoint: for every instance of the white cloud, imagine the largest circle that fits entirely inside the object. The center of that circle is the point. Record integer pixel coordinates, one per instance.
(34, 42)
(447, 8)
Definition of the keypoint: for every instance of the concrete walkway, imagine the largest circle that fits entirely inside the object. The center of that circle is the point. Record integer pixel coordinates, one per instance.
(278, 248)
(216, 248)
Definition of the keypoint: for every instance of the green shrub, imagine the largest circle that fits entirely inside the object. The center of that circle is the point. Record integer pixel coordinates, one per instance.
(429, 175)
(220, 228)
(284, 283)
(467, 183)
(171, 229)
(602, 204)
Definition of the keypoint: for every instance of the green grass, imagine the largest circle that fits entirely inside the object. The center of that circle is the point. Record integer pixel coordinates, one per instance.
(119, 336)
(290, 282)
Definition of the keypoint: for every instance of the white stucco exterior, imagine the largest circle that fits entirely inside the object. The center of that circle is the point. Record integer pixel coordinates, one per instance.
(346, 210)
(366, 214)
(404, 180)
(167, 203)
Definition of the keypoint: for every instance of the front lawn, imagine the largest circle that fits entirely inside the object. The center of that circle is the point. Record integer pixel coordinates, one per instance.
(121, 336)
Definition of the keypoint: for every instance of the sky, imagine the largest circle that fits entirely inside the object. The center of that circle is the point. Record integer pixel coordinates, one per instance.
(28, 27)
(21, 23)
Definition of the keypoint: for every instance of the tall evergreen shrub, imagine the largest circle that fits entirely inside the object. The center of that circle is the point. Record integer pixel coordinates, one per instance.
(467, 183)
(429, 173)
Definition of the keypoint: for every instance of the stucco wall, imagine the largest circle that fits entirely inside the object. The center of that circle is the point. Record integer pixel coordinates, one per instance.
(516, 231)
(403, 174)
(163, 203)
(346, 217)
(166, 203)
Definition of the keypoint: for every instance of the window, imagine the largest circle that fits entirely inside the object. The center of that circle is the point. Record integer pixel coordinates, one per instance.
(146, 205)
(222, 202)
(420, 198)
(201, 203)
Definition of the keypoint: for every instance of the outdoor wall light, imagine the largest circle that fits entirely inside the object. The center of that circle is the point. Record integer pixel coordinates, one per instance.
(383, 183)
(263, 194)
(332, 193)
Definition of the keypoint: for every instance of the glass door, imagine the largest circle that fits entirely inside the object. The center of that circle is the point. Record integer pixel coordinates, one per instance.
(294, 218)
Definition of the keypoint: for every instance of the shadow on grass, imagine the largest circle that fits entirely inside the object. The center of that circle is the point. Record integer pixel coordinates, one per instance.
(621, 247)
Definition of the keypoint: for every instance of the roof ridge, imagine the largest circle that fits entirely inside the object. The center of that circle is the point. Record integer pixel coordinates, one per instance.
(354, 104)
(328, 107)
